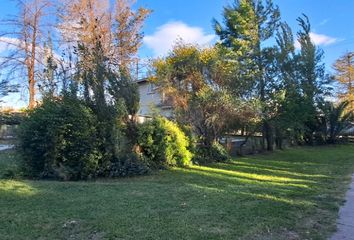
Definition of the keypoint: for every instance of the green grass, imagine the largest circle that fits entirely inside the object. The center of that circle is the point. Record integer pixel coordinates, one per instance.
(293, 194)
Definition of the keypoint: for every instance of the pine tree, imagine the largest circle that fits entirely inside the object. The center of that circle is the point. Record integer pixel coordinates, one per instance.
(247, 24)
(344, 68)
(290, 118)
(313, 79)
(48, 84)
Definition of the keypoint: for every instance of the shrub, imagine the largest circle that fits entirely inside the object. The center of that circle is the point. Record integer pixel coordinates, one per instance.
(215, 153)
(163, 144)
(127, 166)
(57, 140)
(11, 118)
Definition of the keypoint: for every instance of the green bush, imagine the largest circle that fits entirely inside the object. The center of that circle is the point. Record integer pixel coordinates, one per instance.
(215, 153)
(127, 166)
(57, 140)
(162, 144)
(10, 118)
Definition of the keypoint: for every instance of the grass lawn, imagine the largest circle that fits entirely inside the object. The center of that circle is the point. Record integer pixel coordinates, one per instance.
(293, 194)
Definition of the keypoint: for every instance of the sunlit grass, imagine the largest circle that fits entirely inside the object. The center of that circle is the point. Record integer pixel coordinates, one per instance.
(293, 194)
(252, 167)
(240, 178)
(251, 176)
(16, 187)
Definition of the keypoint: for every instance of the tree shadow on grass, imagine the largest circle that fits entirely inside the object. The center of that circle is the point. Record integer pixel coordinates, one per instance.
(268, 170)
(251, 176)
(211, 201)
(226, 184)
(246, 197)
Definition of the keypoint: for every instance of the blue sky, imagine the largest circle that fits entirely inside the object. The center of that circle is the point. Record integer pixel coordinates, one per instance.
(332, 23)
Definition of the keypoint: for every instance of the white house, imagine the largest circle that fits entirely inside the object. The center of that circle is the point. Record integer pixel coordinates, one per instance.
(152, 100)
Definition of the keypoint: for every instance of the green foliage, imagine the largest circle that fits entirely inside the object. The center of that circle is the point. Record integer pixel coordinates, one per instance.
(263, 195)
(9, 165)
(114, 99)
(211, 113)
(209, 154)
(128, 165)
(333, 120)
(313, 79)
(289, 118)
(162, 144)
(124, 88)
(126, 98)
(48, 85)
(247, 25)
(57, 140)
(197, 83)
(11, 118)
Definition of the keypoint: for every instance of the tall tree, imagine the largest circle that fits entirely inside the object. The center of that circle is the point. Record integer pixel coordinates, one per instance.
(48, 85)
(24, 43)
(194, 81)
(313, 79)
(344, 68)
(289, 101)
(86, 25)
(115, 24)
(247, 24)
(106, 36)
(127, 33)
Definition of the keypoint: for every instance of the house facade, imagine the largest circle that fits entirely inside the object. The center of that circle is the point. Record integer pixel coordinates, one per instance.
(152, 101)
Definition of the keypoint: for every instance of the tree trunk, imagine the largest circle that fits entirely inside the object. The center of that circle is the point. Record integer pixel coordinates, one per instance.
(32, 89)
(279, 139)
(269, 136)
(31, 67)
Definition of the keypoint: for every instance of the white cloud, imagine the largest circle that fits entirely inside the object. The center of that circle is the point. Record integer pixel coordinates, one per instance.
(319, 40)
(8, 43)
(166, 36)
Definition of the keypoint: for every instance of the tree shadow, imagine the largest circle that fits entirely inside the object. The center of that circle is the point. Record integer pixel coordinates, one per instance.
(269, 170)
